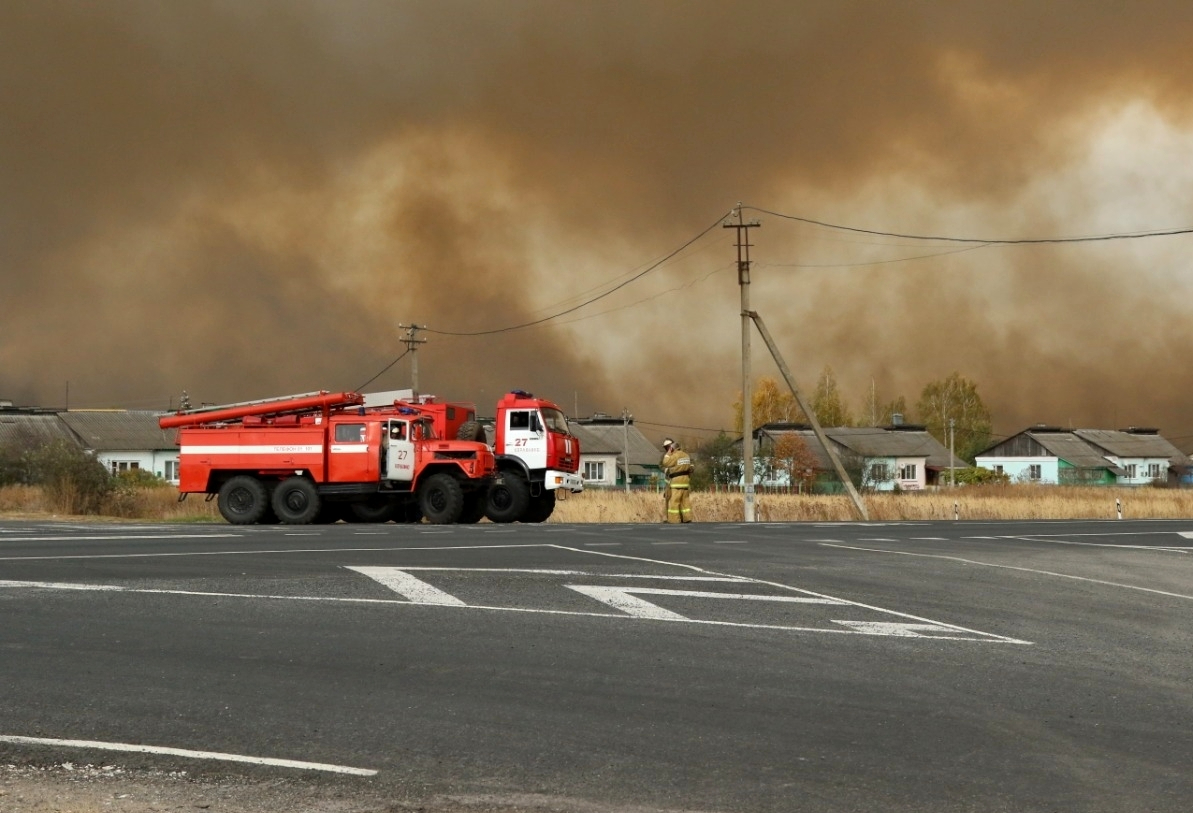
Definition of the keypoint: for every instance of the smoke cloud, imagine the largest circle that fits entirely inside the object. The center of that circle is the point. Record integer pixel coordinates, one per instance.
(245, 200)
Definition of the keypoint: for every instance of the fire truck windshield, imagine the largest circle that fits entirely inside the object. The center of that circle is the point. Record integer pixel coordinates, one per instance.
(555, 421)
(424, 429)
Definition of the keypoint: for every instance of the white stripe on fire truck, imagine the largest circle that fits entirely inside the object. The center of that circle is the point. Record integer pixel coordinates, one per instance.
(230, 449)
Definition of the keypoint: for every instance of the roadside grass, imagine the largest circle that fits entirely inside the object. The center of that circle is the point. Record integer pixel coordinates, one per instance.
(990, 502)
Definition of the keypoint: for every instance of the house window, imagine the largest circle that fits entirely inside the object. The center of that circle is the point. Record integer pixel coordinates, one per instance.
(909, 471)
(998, 468)
(880, 472)
(1153, 470)
(1034, 472)
(594, 470)
(124, 465)
(171, 470)
(1130, 470)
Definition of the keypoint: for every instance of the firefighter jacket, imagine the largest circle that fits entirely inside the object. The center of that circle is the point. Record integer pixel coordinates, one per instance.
(677, 465)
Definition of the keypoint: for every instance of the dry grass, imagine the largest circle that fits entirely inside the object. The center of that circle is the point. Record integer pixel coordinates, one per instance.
(154, 504)
(983, 502)
(974, 503)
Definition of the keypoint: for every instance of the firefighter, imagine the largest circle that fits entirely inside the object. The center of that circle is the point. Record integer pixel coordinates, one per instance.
(677, 466)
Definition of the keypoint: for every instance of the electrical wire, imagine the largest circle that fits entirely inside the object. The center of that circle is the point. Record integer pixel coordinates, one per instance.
(587, 302)
(1096, 238)
(383, 372)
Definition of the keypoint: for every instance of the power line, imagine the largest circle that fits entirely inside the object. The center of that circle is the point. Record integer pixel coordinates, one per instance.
(1096, 238)
(587, 302)
(384, 371)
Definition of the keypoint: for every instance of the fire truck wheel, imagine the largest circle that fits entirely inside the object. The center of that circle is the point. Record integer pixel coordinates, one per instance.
(540, 508)
(508, 498)
(243, 500)
(471, 430)
(441, 499)
(296, 501)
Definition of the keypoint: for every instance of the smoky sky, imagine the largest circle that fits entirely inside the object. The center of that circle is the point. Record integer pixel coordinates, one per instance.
(247, 199)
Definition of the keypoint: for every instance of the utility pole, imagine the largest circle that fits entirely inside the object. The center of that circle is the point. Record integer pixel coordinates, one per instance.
(747, 407)
(626, 417)
(952, 456)
(412, 342)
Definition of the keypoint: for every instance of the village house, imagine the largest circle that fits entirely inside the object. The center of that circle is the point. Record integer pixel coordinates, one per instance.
(603, 445)
(1054, 455)
(901, 457)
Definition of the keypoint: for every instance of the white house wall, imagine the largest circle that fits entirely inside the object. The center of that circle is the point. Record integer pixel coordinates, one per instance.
(1141, 465)
(1019, 468)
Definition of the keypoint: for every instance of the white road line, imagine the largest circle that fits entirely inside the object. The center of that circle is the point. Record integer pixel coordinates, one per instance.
(1015, 567)
(117, 538)
(668, 543)
(781, 586)
(729, 542)
(183, 752)
(406, 585)
(928, 539)
(963, 634)
(67, 556)
(602, 544)
(1099, 544)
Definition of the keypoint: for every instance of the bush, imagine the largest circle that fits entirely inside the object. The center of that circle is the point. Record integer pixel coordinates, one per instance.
(975, 476)
(74, 482)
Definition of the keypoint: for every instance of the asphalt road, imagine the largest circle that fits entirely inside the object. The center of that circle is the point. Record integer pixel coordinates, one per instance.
(941, 666)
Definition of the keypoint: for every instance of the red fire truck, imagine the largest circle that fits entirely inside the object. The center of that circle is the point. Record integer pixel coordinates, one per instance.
(536, 453)
(323, 456)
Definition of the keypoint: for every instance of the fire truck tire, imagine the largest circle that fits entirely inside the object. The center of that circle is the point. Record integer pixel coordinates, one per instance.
(441, 499)
(296, 501)
(541, 507)
(471, 430)
(375, 509)
(508, 498)
(243, 500)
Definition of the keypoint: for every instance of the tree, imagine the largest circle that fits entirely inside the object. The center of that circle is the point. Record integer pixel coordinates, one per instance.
(827, 402)
(769, 404)
(956, 398)
(878, 412)
(717, 462)
(793, 457)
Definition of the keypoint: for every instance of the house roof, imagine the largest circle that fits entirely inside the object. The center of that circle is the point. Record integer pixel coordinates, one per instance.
(118, 431)
(22, 427)
(1072, 449)
(871, 441)
(1132, 444)
(610, 438)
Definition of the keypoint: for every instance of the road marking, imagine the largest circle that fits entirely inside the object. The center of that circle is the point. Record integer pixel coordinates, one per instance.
(668, 543)
(1099, 544)
(626, 599)
(406, 585)
(116, 537)
(1015, 567)
(159, 554)
(961, 633)
(729, 542)
(928, 539)
(183, 752)
(602, 544)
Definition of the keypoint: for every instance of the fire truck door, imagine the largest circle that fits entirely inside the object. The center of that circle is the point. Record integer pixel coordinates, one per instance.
(525, 438)
(399, 452)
